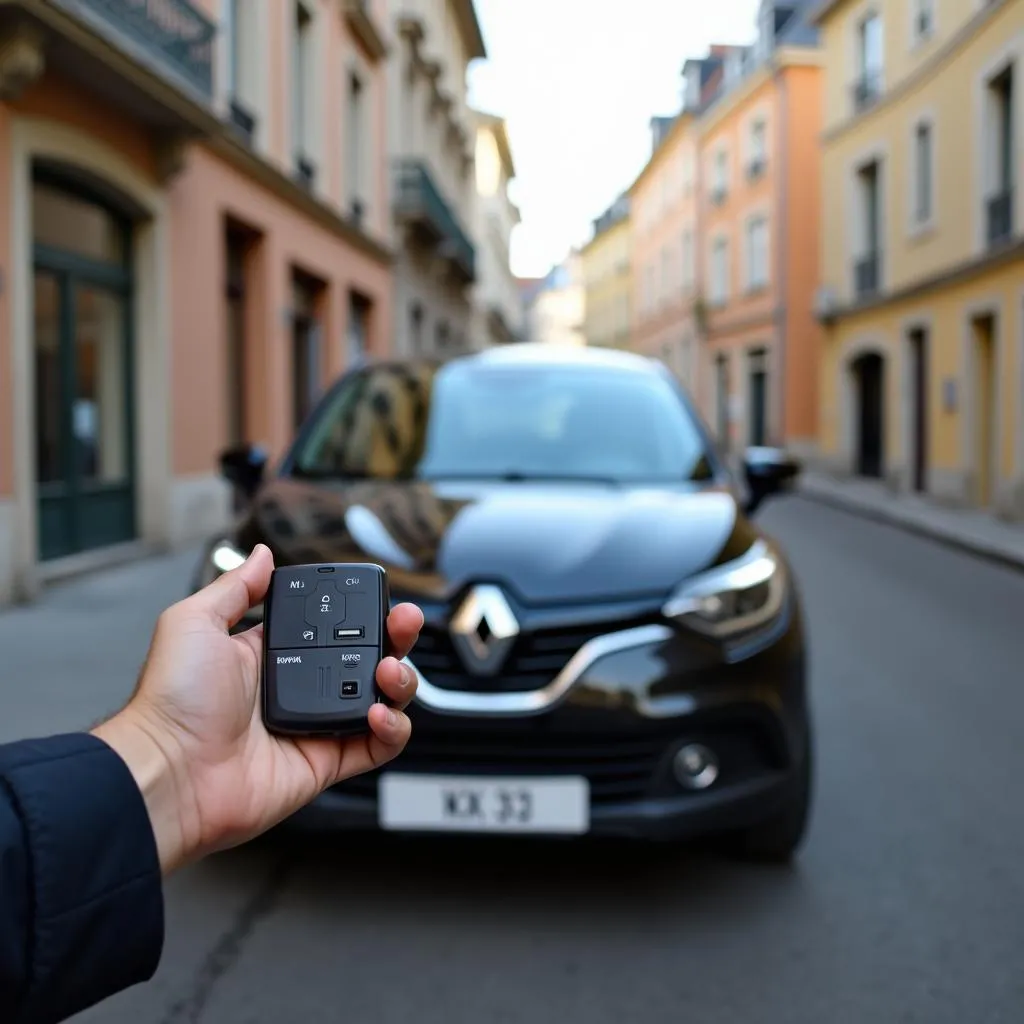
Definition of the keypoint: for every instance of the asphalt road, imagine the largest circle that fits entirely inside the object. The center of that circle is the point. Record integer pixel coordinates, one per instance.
(906, 904)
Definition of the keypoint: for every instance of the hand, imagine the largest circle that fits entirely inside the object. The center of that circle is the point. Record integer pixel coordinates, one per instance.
(193, 735)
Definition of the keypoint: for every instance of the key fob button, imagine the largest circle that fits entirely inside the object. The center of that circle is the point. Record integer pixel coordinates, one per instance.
(325, 607)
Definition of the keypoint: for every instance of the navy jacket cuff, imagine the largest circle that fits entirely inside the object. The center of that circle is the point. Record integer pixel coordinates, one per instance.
(97, 919)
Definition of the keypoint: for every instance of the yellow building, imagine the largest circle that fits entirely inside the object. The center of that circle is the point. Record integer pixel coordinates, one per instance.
(606, 278)
(922, 279)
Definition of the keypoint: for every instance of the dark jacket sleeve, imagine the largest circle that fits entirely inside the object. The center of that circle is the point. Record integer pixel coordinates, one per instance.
(81, 897)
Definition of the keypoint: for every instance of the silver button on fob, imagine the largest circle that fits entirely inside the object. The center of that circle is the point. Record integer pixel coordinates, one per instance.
(325, 633)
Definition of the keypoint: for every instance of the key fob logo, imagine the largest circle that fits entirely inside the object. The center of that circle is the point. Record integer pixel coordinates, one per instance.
(289, 659)
(297, 585)
(351, 659)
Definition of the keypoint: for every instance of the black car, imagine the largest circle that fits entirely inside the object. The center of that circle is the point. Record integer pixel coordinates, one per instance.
(611, 646)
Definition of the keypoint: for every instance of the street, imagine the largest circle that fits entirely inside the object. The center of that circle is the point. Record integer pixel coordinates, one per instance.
(905, 904)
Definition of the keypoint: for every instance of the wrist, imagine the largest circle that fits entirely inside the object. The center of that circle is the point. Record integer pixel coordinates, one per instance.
(153, 766)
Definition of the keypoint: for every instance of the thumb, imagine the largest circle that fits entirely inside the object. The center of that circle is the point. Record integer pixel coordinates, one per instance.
(229, 597)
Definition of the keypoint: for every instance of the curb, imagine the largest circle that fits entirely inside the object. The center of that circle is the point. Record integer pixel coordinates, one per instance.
(909, 524)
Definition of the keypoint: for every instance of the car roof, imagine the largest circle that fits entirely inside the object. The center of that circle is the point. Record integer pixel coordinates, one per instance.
(529, 353)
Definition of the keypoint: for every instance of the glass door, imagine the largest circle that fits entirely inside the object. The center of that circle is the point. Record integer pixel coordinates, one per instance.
(83, 372)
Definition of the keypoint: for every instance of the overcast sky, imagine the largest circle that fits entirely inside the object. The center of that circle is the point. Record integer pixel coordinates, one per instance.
(578, 81)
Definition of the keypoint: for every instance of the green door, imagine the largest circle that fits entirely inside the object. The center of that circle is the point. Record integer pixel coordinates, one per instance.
(83, 372)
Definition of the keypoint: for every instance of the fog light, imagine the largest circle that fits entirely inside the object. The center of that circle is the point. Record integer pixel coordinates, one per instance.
(695, 766)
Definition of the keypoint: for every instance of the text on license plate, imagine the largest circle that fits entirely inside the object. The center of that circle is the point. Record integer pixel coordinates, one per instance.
(474, 804)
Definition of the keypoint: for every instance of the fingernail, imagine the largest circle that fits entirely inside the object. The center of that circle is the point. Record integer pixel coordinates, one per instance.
(392, 717)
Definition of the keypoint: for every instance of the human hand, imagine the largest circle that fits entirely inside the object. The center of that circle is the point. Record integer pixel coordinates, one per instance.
(193, 734)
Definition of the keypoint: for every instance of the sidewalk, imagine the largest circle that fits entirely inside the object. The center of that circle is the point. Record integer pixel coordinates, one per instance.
(975, 532)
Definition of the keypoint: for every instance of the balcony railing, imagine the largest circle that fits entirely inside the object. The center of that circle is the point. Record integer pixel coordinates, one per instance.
(418, 199)
(1000, 216)
(867, 274)
(174, 34)
(867, 90)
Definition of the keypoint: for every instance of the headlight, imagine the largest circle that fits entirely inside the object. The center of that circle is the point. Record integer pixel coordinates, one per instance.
(734, 598)
(222, 557)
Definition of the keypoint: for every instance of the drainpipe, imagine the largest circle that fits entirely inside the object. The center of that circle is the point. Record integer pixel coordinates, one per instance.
(781, 248)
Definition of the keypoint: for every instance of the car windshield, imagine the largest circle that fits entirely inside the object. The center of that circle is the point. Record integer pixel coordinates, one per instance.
(471, 419)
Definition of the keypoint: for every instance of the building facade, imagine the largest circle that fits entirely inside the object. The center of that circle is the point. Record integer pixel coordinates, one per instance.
(431, 144)
(497, 305)
(664, 242)
(556, 305)
(197, 220)
(757, 131)
(607, 278)
(923, 248)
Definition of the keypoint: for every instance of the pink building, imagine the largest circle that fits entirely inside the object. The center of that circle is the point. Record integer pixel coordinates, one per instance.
(196, 222)
(664, 248)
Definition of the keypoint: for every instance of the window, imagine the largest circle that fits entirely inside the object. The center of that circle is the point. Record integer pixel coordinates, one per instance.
(236, 246)
(923, 173)
(757, 253)
(758, 149)
(1002, 154)
(924, 19)
(474, 420)
(869, 61)
(867, 268)
(687, 261)
(301, 91)
(358, 327)
(720, 176)
(355, 141)
(242, 56)
(719, 272)
(305, 348)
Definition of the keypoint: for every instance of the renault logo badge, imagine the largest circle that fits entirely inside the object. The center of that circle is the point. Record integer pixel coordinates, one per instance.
(484, 629)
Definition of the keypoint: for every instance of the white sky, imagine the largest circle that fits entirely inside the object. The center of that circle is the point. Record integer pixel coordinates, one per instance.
(578, 81)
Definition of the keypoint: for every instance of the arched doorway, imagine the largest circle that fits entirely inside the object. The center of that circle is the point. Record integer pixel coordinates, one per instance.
(82, 356)
(868, 373)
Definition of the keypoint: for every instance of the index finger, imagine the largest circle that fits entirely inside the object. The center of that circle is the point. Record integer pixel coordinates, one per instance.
(404, 625)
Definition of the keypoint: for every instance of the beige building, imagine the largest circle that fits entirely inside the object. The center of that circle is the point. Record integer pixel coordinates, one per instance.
(606, 278)
(432, 143)
(922, 277)
(497, 307)
(556, 307)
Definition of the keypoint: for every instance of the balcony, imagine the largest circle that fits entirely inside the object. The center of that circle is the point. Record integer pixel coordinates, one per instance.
(171, 37)
(867, 273)
(867, 90)
(152, 60)
(999, 217)
(419, 203)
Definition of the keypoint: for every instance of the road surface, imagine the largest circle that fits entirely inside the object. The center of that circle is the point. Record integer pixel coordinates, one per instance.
(906, 905)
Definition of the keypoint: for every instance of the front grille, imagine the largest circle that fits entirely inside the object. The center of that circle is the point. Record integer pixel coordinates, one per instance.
(616, 768)
(535, 659)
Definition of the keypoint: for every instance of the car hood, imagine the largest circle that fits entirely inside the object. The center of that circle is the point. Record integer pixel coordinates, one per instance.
(546, 543)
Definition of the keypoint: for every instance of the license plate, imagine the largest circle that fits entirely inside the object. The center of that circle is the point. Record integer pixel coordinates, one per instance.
(445, 803)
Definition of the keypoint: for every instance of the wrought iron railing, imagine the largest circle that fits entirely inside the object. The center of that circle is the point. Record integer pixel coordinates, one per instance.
(867, 274)
(417, 195)
(173, 32)
(867, 90)
(1000, 216)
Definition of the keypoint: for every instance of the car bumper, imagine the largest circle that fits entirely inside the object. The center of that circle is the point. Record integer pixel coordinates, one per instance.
(620, 724)
(688, 816)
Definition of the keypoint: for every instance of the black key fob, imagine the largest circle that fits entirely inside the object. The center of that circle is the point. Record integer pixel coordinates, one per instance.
(325, 633)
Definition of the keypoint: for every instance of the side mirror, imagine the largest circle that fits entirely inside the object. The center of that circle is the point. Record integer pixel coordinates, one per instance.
(243, 468)
(768, 471)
